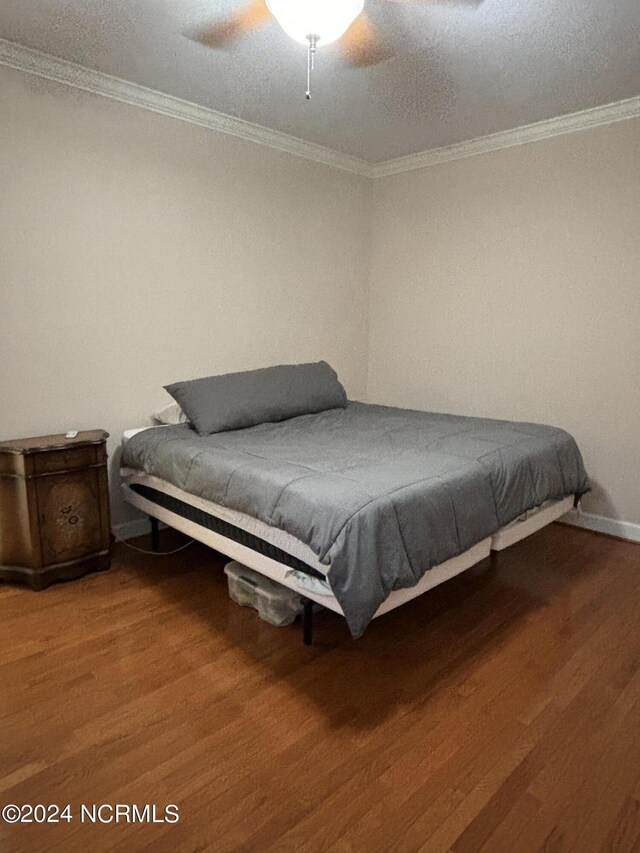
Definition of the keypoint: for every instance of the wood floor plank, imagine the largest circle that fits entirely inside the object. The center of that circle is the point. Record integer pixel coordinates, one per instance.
(498, 713)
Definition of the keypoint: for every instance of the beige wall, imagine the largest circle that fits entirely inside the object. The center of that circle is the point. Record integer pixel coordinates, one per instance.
(508, 285)
(137, 249)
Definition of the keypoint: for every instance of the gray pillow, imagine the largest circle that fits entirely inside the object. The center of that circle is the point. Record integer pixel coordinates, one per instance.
(238, 400)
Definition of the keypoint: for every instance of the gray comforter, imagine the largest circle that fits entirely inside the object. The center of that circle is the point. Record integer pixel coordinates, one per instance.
(380, 494)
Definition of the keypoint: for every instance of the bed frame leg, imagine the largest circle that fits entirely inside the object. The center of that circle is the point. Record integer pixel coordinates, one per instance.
(307, 621)
(155, 534)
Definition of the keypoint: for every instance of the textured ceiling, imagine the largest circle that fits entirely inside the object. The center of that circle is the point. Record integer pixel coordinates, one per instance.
(459, 72)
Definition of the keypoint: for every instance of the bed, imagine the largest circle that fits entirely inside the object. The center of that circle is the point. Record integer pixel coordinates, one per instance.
(360, 508)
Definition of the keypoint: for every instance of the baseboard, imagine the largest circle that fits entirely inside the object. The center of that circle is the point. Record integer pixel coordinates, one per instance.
(602, 524)
(133, 528)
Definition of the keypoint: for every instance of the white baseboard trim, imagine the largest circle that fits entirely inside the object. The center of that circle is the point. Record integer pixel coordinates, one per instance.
(133, 528)
(602, 524)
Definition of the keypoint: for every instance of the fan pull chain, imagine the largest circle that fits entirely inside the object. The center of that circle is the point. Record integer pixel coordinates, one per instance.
(311, 55)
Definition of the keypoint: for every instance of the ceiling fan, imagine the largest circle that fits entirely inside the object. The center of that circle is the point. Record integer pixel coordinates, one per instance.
(310, 22)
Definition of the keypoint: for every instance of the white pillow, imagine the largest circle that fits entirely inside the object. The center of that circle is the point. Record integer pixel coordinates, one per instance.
(171, 414)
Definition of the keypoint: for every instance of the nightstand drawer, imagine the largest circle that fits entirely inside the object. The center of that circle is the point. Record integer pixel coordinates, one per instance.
(64, 460)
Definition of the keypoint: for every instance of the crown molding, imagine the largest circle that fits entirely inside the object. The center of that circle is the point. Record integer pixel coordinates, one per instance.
(571, 123)
(59, 70)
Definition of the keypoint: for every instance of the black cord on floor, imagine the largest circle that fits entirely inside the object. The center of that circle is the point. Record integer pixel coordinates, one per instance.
(154, 553)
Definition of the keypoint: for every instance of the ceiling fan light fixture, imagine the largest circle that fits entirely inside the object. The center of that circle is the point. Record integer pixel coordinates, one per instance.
(326, 20)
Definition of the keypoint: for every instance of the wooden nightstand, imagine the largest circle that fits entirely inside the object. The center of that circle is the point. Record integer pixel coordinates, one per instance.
(54, 508)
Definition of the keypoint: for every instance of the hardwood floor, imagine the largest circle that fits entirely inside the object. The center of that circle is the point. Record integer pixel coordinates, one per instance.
(499, 712)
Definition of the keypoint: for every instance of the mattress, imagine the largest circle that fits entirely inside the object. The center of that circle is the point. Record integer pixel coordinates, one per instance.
(279, 539)
(142, 491)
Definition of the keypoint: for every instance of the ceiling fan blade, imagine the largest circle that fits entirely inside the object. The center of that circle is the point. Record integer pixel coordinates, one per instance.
(360, 46)
(223, 31)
